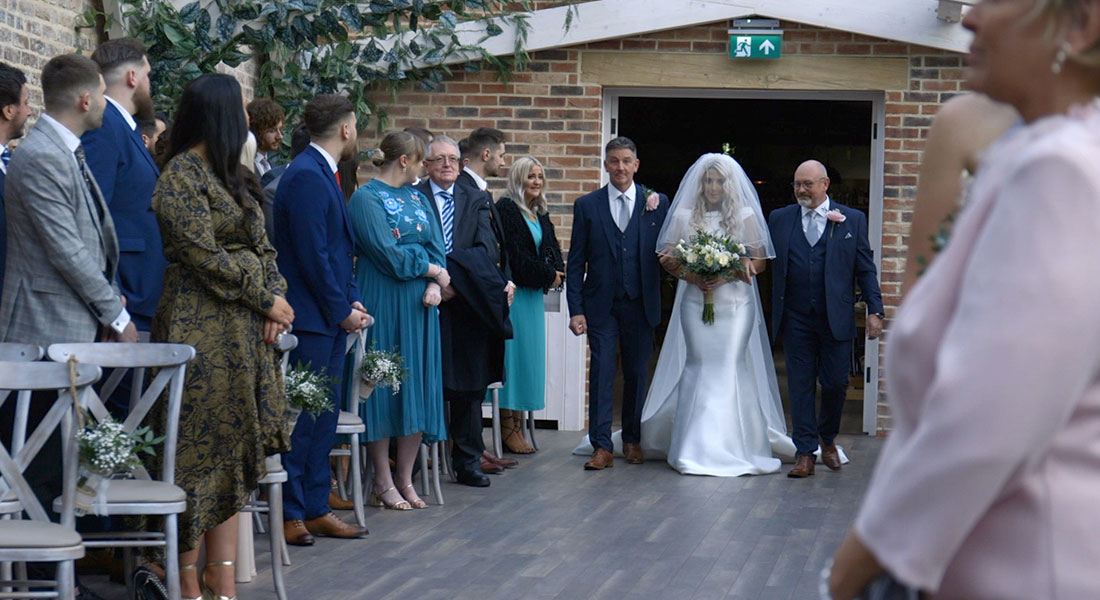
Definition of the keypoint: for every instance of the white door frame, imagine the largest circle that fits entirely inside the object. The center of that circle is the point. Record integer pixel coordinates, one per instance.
(877, 135)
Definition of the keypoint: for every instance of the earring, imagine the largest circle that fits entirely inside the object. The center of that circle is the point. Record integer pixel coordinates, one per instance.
(1060, 58)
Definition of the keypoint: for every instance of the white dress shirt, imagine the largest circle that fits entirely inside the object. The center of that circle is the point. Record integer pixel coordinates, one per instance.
(125, 115)
(821, 215)
(328, 157)
(613, 194)
(435, 194)
(478, 179)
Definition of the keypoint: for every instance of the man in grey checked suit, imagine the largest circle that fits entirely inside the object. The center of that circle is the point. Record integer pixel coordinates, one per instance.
(62, 256)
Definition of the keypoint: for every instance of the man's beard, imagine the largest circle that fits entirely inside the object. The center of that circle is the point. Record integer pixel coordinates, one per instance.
(804, 200)
(144, 109)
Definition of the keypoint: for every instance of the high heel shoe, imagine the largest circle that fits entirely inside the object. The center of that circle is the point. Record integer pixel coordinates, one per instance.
(192, 567)
(418, 503)
(377, 500)
(207, 593)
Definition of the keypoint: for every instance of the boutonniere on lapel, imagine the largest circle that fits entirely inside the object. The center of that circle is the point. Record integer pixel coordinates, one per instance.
(835, 216)
(652, 200)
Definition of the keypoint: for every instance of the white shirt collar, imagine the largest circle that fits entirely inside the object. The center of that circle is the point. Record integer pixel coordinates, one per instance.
(125, 115)
(631, 192)
(436, 188)
(67, 136)
(822, 209)
(481, 183)
(328, 157)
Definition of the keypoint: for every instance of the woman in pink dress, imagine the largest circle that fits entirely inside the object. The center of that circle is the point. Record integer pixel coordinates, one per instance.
(989, 484)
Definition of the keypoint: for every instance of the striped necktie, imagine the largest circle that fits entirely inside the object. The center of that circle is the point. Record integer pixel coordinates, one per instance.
(448, 214)
(5, 157)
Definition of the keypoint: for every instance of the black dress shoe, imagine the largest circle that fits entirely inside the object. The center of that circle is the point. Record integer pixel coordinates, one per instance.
(474, 478)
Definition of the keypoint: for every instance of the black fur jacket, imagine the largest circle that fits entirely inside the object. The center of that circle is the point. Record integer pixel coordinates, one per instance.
(531, 267)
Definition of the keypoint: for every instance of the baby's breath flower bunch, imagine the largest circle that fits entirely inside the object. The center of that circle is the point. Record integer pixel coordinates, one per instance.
(383, 369)
(308, 390)
(107, 448)
(708, 255)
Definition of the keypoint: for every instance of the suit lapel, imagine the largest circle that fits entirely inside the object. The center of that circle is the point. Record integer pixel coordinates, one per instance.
(335, 193)
(639, 212)
(603, 209)
(135, 139)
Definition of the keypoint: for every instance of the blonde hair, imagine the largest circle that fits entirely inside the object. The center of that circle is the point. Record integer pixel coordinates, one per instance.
(517, 176)
(395, 145)
(731, 199)
(1061, 15)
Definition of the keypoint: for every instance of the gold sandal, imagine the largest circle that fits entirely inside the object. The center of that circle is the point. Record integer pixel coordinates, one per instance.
(418, 503)
(192, 567)
(376, 500)
(207, 593)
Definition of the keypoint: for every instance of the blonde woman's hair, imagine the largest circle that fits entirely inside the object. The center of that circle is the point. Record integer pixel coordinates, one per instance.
(1062, 14)
(517, 176)
(396, 144)
(731, 199)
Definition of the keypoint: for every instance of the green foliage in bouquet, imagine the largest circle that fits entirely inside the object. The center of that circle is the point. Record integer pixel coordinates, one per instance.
(308, 390)
(383, 368)
(107, 448)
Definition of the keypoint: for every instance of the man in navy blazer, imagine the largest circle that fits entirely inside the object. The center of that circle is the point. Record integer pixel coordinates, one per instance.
(15, 108)
(314, 239)
(613, 285)
(127, 175)
(821, 252)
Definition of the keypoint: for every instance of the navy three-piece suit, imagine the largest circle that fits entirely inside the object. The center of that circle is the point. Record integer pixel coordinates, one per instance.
(813, 293)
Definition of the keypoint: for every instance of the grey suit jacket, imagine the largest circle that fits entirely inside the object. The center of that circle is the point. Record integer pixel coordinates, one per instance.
(59, 284)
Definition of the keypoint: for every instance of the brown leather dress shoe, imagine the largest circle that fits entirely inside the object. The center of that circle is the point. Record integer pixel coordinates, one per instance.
(335, 502)
(633, 453)
(803, 467)
(296, 534)
(601, 459)
(490, 468)
(830, 456)
(330, 525)
(507, 463)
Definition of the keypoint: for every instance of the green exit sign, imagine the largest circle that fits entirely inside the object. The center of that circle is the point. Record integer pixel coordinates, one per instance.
(756, 44)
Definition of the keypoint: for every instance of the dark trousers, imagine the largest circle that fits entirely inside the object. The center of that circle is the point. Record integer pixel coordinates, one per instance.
(465, 429)
(814, 355)
(305, 493)
(628, 332)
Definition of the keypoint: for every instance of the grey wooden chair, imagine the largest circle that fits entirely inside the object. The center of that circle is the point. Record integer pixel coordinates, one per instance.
(352, 425)
(143, 494)
(37, 538)
(272, 481)
(15, 352)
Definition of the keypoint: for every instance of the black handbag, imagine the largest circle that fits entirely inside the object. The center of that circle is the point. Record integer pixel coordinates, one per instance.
(147, 586)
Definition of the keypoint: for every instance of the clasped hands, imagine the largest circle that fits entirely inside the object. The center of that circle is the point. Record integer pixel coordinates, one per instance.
(356, 320)
(279, 318)
(708, 284)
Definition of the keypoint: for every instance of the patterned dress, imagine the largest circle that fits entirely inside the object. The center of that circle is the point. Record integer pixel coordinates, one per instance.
(220, 283)
(395, 240)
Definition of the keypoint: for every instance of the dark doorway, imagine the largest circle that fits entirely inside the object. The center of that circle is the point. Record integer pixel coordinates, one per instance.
(769, 138)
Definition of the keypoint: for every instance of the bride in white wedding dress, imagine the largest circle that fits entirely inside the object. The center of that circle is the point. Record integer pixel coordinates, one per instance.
(714, 406)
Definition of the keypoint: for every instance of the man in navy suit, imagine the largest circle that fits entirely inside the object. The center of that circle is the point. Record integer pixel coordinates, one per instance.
(316, 248)
(821, 252)
(613, 285)
(127, 175)
(15, 108)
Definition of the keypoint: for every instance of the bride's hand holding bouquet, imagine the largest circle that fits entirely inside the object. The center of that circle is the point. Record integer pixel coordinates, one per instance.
(708, 260)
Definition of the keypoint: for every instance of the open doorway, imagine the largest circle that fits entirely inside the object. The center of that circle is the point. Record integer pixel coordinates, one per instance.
(769, 133)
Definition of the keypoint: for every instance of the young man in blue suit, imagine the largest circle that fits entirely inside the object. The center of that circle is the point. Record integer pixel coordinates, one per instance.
(314, 240)
(15, 108)
(821, 252)
(613, 285)
(127, 175)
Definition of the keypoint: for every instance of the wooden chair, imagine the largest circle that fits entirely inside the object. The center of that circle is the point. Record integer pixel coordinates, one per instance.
(37, 538)
(143, 494)
(352, 425)
(14, 352)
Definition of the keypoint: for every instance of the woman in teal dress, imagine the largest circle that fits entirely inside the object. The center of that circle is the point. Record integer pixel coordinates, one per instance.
(400, 269)
(535, 257)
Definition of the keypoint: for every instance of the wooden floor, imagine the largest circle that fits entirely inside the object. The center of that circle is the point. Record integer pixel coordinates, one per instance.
(549, 529)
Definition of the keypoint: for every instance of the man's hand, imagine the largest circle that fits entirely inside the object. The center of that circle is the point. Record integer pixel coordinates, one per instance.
(578, 325)
(354, 321)
(874, 327)
(448, 293)
(510, 289)
(129, 334)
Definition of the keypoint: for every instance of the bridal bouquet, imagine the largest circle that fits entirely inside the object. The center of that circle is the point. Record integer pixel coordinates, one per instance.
(308, 391)
(708, 255)
(382, 369)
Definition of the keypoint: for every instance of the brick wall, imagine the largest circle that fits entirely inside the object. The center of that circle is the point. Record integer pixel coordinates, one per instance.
(33, 31)
(550, 112)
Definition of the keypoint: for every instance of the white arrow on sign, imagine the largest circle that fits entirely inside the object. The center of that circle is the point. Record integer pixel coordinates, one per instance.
(767, 47)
